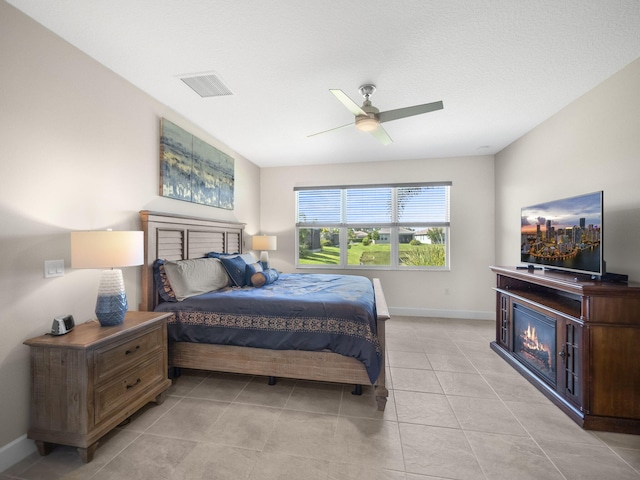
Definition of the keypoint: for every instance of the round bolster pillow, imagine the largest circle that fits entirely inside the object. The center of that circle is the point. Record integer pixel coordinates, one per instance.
(266, 277)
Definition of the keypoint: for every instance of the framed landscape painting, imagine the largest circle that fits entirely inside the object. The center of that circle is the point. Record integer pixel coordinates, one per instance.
(192, 170)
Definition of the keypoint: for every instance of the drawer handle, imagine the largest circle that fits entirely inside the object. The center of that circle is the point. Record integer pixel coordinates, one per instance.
(133, 384)
(129, 352)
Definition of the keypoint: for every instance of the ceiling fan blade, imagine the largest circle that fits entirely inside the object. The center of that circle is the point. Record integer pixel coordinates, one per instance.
(330, 130)
(347, 102)
(381, 135)
(409, 111)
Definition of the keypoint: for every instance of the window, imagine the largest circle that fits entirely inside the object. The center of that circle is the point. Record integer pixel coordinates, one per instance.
(384, 226)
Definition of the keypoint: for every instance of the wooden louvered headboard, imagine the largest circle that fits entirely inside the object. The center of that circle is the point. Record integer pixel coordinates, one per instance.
(178, 237)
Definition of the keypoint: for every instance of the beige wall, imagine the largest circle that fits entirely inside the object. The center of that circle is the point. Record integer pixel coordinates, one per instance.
(592, 144)
(79, 151)
(465, 290)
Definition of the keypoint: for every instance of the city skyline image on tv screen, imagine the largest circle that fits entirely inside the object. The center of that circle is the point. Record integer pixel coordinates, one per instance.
(564, 234)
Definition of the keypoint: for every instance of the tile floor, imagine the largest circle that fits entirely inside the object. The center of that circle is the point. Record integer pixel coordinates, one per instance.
(455, 411)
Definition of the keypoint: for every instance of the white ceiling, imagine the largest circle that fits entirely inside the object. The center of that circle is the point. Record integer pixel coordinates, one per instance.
(500, 66)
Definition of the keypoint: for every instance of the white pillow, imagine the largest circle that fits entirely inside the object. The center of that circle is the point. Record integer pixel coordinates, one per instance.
(193, 277)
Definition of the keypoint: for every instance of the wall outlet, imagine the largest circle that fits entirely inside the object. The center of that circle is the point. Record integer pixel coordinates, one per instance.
(53, 268)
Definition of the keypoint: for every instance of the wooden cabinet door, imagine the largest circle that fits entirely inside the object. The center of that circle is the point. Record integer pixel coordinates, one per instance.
(571, 377)
(503, 325)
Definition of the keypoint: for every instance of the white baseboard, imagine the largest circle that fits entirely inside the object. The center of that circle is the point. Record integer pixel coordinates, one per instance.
(427, 312)
(15, 451)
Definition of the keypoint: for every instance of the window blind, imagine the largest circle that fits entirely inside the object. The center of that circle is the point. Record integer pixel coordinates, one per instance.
(420, 204)
(321, 206)
(370, 206)
(384, 205)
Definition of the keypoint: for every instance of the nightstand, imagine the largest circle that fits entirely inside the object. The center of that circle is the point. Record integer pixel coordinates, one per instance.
(85, 383)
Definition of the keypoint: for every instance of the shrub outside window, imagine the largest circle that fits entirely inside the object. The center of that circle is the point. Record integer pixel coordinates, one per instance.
(398, 226)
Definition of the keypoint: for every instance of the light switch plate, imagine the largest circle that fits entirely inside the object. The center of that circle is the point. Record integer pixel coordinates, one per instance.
(53, 268)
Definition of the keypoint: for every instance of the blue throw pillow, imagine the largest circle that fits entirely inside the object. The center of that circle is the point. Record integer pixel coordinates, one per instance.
(248, 258)
(220, 254)
(235, 267)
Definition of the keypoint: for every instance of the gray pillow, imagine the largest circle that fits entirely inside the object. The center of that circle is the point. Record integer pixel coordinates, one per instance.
(196, 276)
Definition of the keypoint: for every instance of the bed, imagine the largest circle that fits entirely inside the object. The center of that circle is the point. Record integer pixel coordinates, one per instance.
(175, 238)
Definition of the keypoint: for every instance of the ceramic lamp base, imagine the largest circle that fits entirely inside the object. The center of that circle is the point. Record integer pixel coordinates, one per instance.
(111, 306)
(264, 259)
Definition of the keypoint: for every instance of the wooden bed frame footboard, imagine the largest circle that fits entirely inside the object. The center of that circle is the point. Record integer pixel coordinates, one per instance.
(175, 237)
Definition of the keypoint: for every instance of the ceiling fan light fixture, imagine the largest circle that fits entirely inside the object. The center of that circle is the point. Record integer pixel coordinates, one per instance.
(365, 123)
(369, 119)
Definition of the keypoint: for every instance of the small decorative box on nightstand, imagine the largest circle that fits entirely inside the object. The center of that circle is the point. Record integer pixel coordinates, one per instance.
(88, 381)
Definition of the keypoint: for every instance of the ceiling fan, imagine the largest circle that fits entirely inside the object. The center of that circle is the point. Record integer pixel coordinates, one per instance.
(368, 118)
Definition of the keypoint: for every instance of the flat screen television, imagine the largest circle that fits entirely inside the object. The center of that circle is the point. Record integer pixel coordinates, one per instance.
(564, 234)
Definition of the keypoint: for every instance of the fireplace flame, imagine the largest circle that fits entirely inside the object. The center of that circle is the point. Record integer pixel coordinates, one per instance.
(531, 343)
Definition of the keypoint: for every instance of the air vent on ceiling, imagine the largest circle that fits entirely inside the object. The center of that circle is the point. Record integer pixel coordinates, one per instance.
(207, 85)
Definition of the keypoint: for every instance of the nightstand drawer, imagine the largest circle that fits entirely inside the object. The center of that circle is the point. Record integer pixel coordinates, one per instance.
(117, 358)
(114, 395)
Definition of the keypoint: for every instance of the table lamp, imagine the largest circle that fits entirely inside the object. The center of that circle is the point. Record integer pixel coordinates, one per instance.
(108, 250)
(264, 243)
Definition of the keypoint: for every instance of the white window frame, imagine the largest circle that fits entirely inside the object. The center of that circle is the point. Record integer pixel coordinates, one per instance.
(337, 218)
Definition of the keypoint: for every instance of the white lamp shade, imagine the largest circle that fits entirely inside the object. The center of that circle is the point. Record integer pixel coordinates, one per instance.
(264, 242)
(106, 249)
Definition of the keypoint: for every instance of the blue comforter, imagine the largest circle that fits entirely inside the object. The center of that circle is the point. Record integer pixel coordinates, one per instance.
(297, 312)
